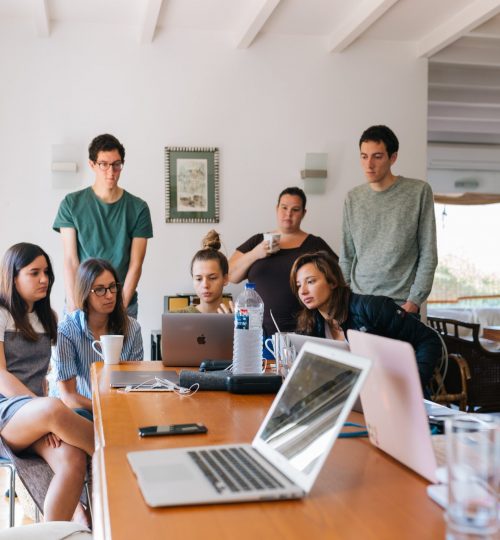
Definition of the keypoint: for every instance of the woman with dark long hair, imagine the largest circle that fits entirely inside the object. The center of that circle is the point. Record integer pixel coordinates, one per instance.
(100, 311)
(28, 420)
(330, 308)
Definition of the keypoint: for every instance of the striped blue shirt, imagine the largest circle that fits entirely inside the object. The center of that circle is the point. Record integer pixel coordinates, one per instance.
(73, 355)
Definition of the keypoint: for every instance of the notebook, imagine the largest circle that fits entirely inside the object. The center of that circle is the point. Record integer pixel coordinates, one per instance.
(287, 453)
(121, 379)
(394, 407)
(189, 338)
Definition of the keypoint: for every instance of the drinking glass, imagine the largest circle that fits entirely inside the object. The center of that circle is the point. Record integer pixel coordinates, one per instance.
(473, 461)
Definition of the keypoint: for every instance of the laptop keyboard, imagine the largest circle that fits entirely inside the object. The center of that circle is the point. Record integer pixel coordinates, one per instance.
(233, 469)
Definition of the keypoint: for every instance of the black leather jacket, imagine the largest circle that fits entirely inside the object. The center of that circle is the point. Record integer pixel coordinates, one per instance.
(380, 315)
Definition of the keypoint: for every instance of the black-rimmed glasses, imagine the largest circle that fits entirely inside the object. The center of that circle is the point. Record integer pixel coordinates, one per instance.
(101, 291)
(104, 165)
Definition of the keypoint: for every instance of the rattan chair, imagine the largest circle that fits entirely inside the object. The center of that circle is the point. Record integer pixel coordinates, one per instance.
(483, 387)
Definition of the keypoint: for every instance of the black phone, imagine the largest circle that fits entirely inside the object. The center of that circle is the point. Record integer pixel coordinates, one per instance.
(173, 429)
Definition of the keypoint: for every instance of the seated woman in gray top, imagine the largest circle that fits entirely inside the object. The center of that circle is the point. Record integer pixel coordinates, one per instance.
(209, 268)
(28, 420)
(99, 311)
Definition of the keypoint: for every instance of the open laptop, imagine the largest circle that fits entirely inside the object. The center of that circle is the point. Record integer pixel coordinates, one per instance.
(298, 340)
(393, 404)
(189, 338)
(287, 453)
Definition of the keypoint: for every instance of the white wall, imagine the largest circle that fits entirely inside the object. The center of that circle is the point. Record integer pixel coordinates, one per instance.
(264, 108)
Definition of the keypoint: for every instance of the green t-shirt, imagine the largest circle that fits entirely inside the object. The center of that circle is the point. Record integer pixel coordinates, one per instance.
(105, 230)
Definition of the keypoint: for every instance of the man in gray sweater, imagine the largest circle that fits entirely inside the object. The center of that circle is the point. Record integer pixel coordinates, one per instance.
(389, 229)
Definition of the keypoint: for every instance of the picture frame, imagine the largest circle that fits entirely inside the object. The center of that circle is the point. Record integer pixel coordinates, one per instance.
(191, 184)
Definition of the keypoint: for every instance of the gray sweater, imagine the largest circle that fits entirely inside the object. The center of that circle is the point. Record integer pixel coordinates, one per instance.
(389, 240)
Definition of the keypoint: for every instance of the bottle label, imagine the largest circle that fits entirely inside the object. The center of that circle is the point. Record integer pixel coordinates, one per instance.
(242, 320)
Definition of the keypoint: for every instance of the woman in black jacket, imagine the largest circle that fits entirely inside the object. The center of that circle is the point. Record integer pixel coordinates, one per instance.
(331, 308)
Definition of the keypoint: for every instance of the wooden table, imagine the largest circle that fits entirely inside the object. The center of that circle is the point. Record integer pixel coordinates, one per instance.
(492, 333)
(360, 493)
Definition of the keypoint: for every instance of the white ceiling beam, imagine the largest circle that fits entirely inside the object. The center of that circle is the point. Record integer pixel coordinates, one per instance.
(358, 22)
(457, 26)
(150, 21)
(42, 21)
(255, 23)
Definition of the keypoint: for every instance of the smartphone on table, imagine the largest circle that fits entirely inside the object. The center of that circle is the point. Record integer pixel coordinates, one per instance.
(172, 429)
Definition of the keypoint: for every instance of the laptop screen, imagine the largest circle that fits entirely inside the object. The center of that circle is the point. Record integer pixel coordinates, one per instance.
(302, 423)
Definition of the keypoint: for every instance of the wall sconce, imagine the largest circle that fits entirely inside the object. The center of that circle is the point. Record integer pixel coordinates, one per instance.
(315, 173)
(64, 166)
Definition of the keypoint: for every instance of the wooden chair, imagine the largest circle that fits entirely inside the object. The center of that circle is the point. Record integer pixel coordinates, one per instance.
(451, 387)
(483, 386)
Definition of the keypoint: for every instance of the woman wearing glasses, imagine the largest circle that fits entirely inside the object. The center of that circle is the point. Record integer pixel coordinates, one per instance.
(100, 311)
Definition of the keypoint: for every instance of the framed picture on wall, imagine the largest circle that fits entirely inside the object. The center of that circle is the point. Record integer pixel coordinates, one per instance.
(191, 185)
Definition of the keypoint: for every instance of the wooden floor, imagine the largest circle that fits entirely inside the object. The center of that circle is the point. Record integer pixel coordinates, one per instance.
(21, 519)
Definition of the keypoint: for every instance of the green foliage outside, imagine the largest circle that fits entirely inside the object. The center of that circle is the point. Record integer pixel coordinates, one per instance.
(456, 277)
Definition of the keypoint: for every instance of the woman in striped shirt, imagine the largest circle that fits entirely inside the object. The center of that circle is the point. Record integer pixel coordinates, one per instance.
(100, 312)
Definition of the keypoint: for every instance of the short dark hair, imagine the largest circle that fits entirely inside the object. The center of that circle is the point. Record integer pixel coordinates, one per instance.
(15, 259)
(295, 191)
(210, 252)
(105, 143)
(87, 273)
(381, 134)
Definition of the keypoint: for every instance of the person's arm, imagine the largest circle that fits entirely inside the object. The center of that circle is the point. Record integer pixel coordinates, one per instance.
(70, 397)
(10, 385)
(240, 263)
(347, 249)
(71, 262)
(427, 252)
(137, 254)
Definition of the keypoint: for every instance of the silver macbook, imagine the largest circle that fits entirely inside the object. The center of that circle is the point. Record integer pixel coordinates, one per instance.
(287, 453)
(394, 407)
(189, 338)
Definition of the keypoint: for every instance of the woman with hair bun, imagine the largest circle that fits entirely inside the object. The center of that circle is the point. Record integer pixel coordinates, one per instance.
(209, 268)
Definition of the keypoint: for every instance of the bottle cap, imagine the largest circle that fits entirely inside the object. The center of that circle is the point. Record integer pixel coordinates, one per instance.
(250, 285)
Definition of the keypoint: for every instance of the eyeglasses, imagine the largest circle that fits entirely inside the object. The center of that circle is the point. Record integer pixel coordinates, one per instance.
(101, 291)
(104, 165)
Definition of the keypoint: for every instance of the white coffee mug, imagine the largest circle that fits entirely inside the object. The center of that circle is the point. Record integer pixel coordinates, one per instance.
(274, 241)
(111, 348)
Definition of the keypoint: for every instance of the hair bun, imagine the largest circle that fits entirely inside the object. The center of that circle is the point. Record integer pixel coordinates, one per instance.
(211, 240)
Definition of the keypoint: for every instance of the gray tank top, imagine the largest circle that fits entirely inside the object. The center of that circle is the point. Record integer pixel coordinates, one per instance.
(28, 360)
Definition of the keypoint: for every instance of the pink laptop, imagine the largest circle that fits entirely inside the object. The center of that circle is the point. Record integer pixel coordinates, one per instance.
(393, 402)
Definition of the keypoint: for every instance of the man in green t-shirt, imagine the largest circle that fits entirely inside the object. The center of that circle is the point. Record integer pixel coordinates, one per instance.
(105, 221)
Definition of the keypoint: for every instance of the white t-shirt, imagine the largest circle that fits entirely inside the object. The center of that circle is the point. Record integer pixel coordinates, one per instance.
(7, 323)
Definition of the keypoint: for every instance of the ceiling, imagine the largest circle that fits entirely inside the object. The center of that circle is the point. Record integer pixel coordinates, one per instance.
(461, 39)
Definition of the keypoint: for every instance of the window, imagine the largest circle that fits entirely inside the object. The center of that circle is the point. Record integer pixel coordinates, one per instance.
(468, 273)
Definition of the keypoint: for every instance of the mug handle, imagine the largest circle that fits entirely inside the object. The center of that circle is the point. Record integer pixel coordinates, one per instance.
(95, 348)
(269, 347)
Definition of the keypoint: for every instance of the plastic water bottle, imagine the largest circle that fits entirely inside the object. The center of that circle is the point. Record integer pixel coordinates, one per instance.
(247, 345)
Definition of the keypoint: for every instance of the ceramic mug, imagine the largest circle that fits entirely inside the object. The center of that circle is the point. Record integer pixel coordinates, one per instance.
(274, 241)
(111, 348)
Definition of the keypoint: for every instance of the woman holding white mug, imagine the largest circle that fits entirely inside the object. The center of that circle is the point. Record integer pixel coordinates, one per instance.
(266, 260)
(100, 312)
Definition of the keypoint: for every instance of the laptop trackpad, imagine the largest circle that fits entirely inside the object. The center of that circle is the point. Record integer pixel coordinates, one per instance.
(168, 472)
